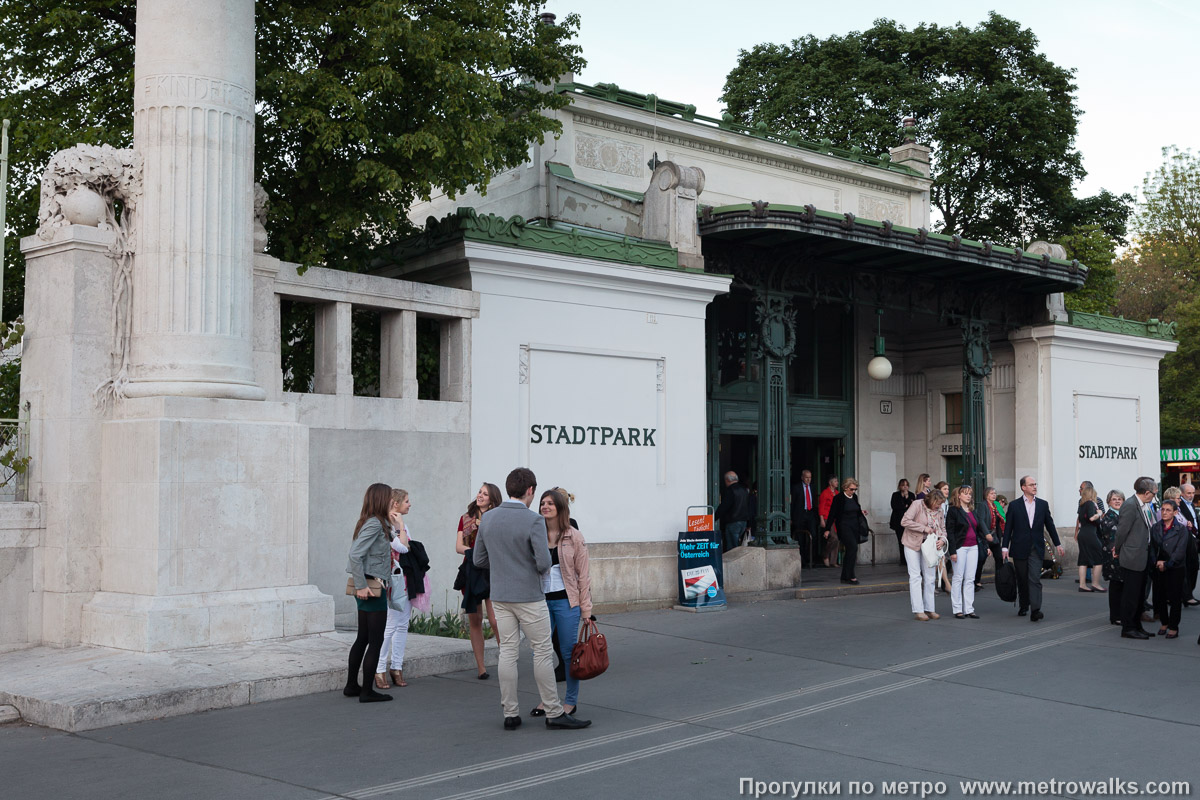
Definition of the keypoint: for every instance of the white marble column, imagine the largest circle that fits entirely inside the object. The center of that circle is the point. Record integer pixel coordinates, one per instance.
(194, 128)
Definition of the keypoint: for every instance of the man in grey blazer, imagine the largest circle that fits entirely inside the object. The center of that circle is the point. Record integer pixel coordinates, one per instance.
(512, 544)
(1131, 547)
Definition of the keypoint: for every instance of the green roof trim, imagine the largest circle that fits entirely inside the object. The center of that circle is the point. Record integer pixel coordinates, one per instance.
(466, 224)
(1150, 329)
(686, 112)
(889, 229)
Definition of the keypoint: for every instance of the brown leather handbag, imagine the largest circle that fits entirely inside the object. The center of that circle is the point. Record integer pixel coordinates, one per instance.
(374, 586)
(589, 656)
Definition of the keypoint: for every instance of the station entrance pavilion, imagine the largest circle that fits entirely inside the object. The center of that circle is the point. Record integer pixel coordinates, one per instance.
(812, 290)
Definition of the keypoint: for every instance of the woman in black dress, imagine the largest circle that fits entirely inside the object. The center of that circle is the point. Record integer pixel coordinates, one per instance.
(1088, 539)
(902, 498)
(473, 581)
(847, 517)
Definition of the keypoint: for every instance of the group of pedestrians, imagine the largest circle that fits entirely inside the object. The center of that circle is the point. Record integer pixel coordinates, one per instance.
(1155, 551)
(527, 569)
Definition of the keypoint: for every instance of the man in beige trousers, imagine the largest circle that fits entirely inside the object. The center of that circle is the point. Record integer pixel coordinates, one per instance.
(512, 544)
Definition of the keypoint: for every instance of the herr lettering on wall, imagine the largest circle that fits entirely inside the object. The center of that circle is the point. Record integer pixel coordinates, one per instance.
(1108, 452)
(592, 435)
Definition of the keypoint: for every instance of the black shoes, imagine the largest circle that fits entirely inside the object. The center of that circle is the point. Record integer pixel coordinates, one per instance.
(972, 616)
(538, 712)
(1022, 612)
(512, 723)
(483, 676)
(566, 722)
(352, 689)
(1036, 616)
(1137, 635)
(369, 695)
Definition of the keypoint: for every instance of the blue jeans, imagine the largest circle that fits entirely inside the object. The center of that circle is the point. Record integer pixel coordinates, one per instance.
(564, 621)
(731, 534)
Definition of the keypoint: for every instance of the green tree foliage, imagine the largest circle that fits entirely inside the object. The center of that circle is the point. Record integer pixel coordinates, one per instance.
(364, 106)
(1093, 246)
(1179, 379)
(1000, 116)
(1158, 277)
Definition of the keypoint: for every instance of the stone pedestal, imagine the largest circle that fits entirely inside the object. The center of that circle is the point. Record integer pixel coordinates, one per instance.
(66, 355)
(194, 129)
(204, 526)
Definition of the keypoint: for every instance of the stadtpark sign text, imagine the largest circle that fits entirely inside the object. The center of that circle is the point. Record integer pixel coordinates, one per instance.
(1108, 451)
(591, 434)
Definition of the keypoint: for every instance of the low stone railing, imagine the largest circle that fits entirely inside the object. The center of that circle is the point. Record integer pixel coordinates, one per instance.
(336, 294)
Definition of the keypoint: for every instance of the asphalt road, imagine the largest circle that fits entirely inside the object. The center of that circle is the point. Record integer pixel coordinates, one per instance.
(694, 706)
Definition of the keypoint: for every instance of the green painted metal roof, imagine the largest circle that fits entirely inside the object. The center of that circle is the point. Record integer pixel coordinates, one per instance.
(465, 224)
(668, 108)
(843, 238)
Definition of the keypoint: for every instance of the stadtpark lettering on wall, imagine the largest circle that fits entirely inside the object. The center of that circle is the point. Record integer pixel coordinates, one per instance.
(1108, 451)
(600, 435)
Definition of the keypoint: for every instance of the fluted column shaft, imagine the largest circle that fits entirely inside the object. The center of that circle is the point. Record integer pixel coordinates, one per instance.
(193, 269)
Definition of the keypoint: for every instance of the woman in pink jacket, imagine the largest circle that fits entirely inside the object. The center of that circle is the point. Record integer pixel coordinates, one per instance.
(568, 585)
(923, 519)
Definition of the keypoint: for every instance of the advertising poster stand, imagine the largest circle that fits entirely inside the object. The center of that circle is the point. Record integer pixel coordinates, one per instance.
(700, 576)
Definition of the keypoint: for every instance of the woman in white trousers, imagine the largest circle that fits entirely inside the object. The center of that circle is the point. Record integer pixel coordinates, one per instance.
(395, 634)
(923, 519)
(966, 532)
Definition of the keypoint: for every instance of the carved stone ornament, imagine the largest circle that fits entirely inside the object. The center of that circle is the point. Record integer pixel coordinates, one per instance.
(261, 203)
(80, 186)
(777, 331)
(84, 180)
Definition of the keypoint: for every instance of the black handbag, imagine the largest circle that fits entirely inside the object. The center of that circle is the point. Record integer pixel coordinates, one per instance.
(460, 580)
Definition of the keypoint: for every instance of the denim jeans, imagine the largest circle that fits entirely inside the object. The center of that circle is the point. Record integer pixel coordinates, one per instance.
(564, 620)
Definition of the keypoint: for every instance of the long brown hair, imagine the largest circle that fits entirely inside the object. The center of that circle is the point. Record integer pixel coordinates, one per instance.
(563, 518)
(493, 496)
(375, 504)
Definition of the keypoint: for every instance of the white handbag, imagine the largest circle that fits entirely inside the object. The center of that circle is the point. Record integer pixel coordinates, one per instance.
(930, 551)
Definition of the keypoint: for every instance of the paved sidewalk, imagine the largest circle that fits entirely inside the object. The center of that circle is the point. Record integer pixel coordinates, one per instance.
(829, 691)
(81, 688)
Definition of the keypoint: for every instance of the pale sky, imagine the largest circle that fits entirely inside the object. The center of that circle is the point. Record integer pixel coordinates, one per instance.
(1137, 62)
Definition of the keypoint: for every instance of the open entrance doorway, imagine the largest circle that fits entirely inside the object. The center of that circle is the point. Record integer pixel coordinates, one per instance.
(821, 457)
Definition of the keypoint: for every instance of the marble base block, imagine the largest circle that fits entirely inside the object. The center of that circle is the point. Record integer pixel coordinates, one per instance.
(204, 526)
(153, 624)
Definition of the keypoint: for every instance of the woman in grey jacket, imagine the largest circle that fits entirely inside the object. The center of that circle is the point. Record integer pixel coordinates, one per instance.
(370, 557)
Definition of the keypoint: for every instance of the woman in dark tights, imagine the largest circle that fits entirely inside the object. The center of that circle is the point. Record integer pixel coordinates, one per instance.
(370, 557)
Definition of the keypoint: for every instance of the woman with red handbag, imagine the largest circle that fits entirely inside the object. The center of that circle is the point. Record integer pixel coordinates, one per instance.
(568, 585)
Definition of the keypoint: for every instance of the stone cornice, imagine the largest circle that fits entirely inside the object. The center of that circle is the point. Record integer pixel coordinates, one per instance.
(1107, 342)
(699, 144)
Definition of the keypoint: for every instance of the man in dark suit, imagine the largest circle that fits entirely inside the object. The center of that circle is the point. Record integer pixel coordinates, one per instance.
(1025, 531)
(804, 516)
(1131, 547)
(1187, 497)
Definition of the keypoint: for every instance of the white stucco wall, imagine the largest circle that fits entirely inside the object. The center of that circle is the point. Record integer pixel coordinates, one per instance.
(567, 341)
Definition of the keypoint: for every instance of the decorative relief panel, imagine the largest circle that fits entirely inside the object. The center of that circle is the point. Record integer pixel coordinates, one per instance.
(879, 208)
(609, 155)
